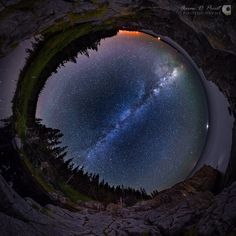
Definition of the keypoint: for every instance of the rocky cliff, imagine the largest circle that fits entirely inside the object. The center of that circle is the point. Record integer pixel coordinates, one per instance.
(188, 207)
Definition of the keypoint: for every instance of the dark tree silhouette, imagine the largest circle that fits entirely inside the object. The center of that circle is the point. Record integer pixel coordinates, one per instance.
(42, 145)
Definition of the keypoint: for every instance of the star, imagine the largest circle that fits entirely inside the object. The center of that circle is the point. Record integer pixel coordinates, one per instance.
(133, 111)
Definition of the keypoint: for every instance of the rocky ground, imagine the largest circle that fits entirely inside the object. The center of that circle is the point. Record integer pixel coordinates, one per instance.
(188, 208)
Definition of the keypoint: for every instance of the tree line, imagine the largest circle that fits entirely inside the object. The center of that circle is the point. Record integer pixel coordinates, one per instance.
(43, 146)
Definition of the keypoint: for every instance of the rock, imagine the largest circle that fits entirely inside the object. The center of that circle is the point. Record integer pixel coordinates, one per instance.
(173, 216)
(113, 207)
(12, 226)
(186, 213)
(132, 226)
(33, 203)
(58, 196)
(7, 3)
(94, 205)
(205, 179)
(17, 144)
(220, 217)
(13, 205)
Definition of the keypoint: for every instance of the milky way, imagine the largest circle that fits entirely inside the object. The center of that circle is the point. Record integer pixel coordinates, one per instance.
(134, 111)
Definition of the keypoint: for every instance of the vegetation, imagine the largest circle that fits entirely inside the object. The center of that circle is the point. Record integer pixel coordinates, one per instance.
(46, 154)
(71, 193)
(41, 152)
(44, 59)
(38, 175)
(42, 160)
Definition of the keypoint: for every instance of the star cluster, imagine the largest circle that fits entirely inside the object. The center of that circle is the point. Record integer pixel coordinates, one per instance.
(134, 111)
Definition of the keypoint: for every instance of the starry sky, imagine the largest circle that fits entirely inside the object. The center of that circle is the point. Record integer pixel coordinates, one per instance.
(135, 111)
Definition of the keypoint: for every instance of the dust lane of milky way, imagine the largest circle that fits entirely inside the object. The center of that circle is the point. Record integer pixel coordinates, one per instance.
(134, 111)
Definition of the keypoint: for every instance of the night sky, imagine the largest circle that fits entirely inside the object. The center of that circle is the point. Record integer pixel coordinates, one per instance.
(134, 111)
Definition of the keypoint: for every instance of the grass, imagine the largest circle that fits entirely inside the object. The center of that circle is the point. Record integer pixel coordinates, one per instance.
(66, 189)
(37, 175)
(28, 89)
(30, 80)
(71, 193)
(61, 34)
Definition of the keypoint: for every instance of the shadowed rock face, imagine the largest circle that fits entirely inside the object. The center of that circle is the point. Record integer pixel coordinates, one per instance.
(173, 211)
(219, 218)
(188, 207)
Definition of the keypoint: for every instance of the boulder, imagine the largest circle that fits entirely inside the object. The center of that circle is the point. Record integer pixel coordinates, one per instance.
(220, 217)
(94, 205)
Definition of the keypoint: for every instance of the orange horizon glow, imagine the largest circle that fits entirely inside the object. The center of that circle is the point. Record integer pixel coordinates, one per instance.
(129, 32)
(135, 33)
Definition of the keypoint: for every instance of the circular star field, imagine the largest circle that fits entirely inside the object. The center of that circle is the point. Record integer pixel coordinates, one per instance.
(135, 111)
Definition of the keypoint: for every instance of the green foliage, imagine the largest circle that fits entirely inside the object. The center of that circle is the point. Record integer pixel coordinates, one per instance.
(37, 70)
(41, 144)
(44, 158)
(30, 80)
(37, 175)
(71, 193)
